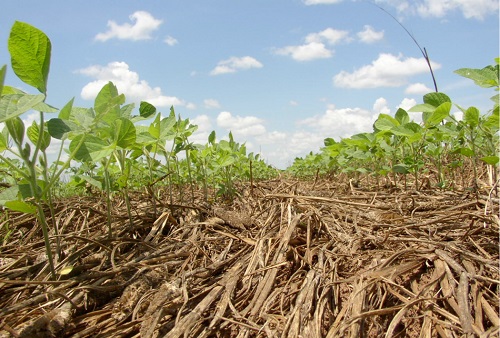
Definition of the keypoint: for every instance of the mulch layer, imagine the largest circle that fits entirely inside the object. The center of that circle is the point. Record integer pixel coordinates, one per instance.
(284, 259)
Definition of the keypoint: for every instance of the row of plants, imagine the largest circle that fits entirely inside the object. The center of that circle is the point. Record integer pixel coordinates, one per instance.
(441, 147)
(105, 147)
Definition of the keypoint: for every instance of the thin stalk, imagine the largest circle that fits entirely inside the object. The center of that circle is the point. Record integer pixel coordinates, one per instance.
(422, 50)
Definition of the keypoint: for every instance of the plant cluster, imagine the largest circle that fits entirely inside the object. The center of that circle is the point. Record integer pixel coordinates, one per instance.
(108, 149)
(441, 147)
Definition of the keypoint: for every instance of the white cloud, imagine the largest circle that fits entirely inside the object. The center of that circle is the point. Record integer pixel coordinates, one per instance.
(171, 41)
(211, 103)
(234, 64)
(315, 45)
(320, 2)
(343, 122)
(417, 88)
(380, 106)
(476, 9)
(386, 71)
(330, 36)
(369, 35)
(127, 82)
(307, 52)
(407, 103)
(143, 25)
(471, 9)
(242, 126)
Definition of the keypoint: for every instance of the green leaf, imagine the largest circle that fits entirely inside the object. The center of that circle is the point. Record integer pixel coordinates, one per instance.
(441, 112)
(211, 138)
(471, 117)
(107, 103)
(402, 131)
(9, 194)
(493, 160)
(93, 148)
(21, 206)
(30, 51)
(65, 112)
(402, 116)
(3, 142)
(146, 109)
(3, 71)
(124, 133)
(16, 104)
(92, 181)
(33, 132)
(59, 128)
(385, 122)
(436, 99)
(422, 108)
(15, 127)
(400, 169)
(486, 77)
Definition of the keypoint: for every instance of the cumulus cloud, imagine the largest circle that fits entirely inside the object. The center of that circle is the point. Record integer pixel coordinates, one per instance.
(386, 71)
(341, 122)
(417, 88)
(243, 126)
(315, 45)
(143, 25)
(330, 36)
(407, 103)
(369, 35)
(234, 64)
(127, 82)
(470, 9)
(307, 52)
(211, 103)
(380, 106)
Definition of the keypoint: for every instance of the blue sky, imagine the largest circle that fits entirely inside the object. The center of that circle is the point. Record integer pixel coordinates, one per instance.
(282, 75)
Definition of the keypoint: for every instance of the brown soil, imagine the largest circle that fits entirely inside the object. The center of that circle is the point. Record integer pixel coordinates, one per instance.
(285, 259)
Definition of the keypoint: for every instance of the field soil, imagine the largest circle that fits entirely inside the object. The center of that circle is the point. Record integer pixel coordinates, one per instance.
(284, 258)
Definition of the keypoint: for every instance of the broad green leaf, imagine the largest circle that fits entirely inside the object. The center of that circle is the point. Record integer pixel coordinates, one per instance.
(3, 71)
(15, 127)
(471, 117)
(400, 169)
(211, 138)
(329, 141)
(493, 160)
(225, 160)
(402, 131)
(465, 151)
(441, 112)
(146, 109)
(486, 77)
(402, 116)
(46, 108)
(3, 142)
(21, 206)
(30, 51)
(93, 148)
(124, 133)
(65, 112)
(126, 111)
(436, 99)
(33, 133)
(385, 122)
(9, 194)
(96, 183)
(9, 90)
(16, 104)
(107, 103)
(423, 108)
(59, 128)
